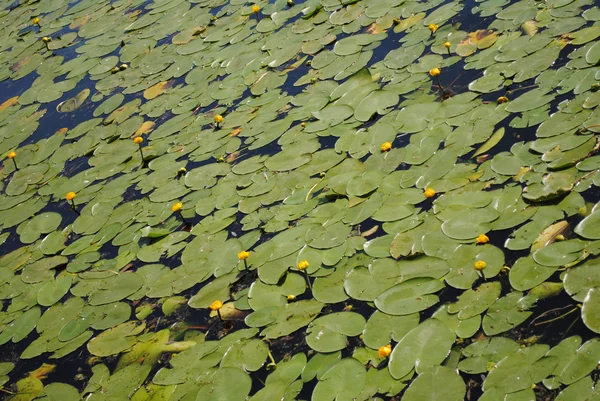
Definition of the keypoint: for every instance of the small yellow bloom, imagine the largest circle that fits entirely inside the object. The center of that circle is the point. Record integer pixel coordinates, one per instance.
(35, 21)
(255, 9)
(138, 139)
(384, 351)
(70, 196)
(12, 154)
(290, 3)
(177, 206)
(434, 72)
(447, 44)
(429, 193)
(123, 67)
(480, 265)
(386, 146)
(243, 255)
(218, 118)
(502, 99)
(215, 306)
(432, 27)
(46, 39)
(303, 265)
(182, 171)
(291, 297)
(482, 239)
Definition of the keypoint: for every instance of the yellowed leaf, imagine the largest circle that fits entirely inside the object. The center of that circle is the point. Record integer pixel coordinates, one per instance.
(530, 27)
(9, 103)
(157, 90)
(236, 131)
(79, 22)
(480, 39)
(145, 128)
(404, 24)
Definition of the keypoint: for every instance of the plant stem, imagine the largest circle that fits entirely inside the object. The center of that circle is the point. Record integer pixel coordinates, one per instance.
(557, 318)
(307, 280)
(15, 162)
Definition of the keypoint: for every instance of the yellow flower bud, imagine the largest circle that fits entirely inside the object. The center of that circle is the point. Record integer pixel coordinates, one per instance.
(303, 265)
(434, 72)
(70, 196)
(46, 39)
(177, 206)
(243, 255)
(432, 27)
(480, 265)
(12, 154)
(429, 193)
(215, 306)
(386, 146)
(384, 351)
(482, 239)
(218, 118)
(502, 99)
(255, 9)
(138, 139)
(291, 298)
(447, 44)
(35, 21)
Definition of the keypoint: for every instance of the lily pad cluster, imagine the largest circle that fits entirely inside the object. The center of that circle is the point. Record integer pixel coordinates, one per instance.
(357, 200)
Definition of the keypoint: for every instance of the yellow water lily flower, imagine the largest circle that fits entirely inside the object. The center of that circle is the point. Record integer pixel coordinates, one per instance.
(482, 239)
(432, 27)
(46, 39)
(255, 9)
(291, 298)
(12, 154)
(429, 193)
(70, 196)
(218, 118)
(480, 265)
(138, 139)
(215, 306)
(243, 255)
(502, 99)
(177, 206)
(447, 44)
(386, 146)
(384, 351)
(434, 72)
(303, 265)
(36, 21)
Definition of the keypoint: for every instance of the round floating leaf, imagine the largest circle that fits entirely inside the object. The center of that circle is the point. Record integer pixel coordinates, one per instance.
(517, 371)
(227, 384)
(52, 291)
(328, 333)
(437, 383)
(559, 253)
(409, 297)
(425, 346)
(381, 328)
(590, 312)
(474, 302)
(590, 226)
(344, 381)
(504, 315)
